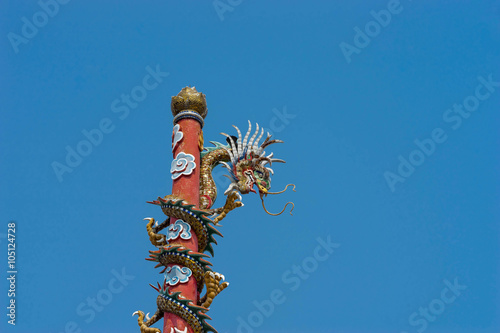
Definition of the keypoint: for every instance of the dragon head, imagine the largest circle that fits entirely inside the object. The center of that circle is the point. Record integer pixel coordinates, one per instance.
(250, 174)
(249, 167)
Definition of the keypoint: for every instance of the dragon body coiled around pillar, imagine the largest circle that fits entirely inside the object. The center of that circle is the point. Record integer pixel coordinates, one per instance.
(208, 188)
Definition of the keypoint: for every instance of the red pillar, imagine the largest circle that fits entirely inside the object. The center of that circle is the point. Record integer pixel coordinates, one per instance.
(189, 110)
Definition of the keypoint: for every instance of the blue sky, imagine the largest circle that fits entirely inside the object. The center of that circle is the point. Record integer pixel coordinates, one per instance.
(389, 113)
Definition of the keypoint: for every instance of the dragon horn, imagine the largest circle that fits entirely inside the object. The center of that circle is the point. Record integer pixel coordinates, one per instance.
(240, 148)
(277, 160)
(246, 137)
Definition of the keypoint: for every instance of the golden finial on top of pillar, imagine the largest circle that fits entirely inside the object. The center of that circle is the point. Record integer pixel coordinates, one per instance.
(189, 99)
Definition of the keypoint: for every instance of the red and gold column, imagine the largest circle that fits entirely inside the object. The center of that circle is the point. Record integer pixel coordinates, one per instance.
(189, 109)
(189, 229)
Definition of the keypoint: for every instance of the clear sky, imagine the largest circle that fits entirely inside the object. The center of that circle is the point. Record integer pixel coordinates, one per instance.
(389, 113)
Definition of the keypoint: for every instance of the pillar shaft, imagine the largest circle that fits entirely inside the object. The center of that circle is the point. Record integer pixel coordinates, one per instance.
(189, 113)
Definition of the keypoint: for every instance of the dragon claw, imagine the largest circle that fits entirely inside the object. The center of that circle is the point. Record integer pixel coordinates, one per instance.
(214, 287)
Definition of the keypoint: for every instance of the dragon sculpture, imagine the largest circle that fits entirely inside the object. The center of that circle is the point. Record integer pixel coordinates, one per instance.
(246, 162)
(249, 171)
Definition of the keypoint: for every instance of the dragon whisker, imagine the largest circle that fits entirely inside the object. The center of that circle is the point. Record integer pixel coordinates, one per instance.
(288, 203)
(283, 190)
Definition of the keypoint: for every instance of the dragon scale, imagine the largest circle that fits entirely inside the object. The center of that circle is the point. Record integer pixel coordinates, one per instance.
(208, 189)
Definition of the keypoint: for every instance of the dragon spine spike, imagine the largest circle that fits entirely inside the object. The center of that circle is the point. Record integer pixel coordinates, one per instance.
(250, 143)
(233, 148)
(263, 160)
(225, 165)
(255, 147)
(246, 137)
(234, 152)
(264, 145)
(240, 145)
(230, 178)
(233, 186)
(261, 149)
(267, 138)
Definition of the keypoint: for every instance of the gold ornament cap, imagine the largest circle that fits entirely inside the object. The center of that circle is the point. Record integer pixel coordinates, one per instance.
(189, 99)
